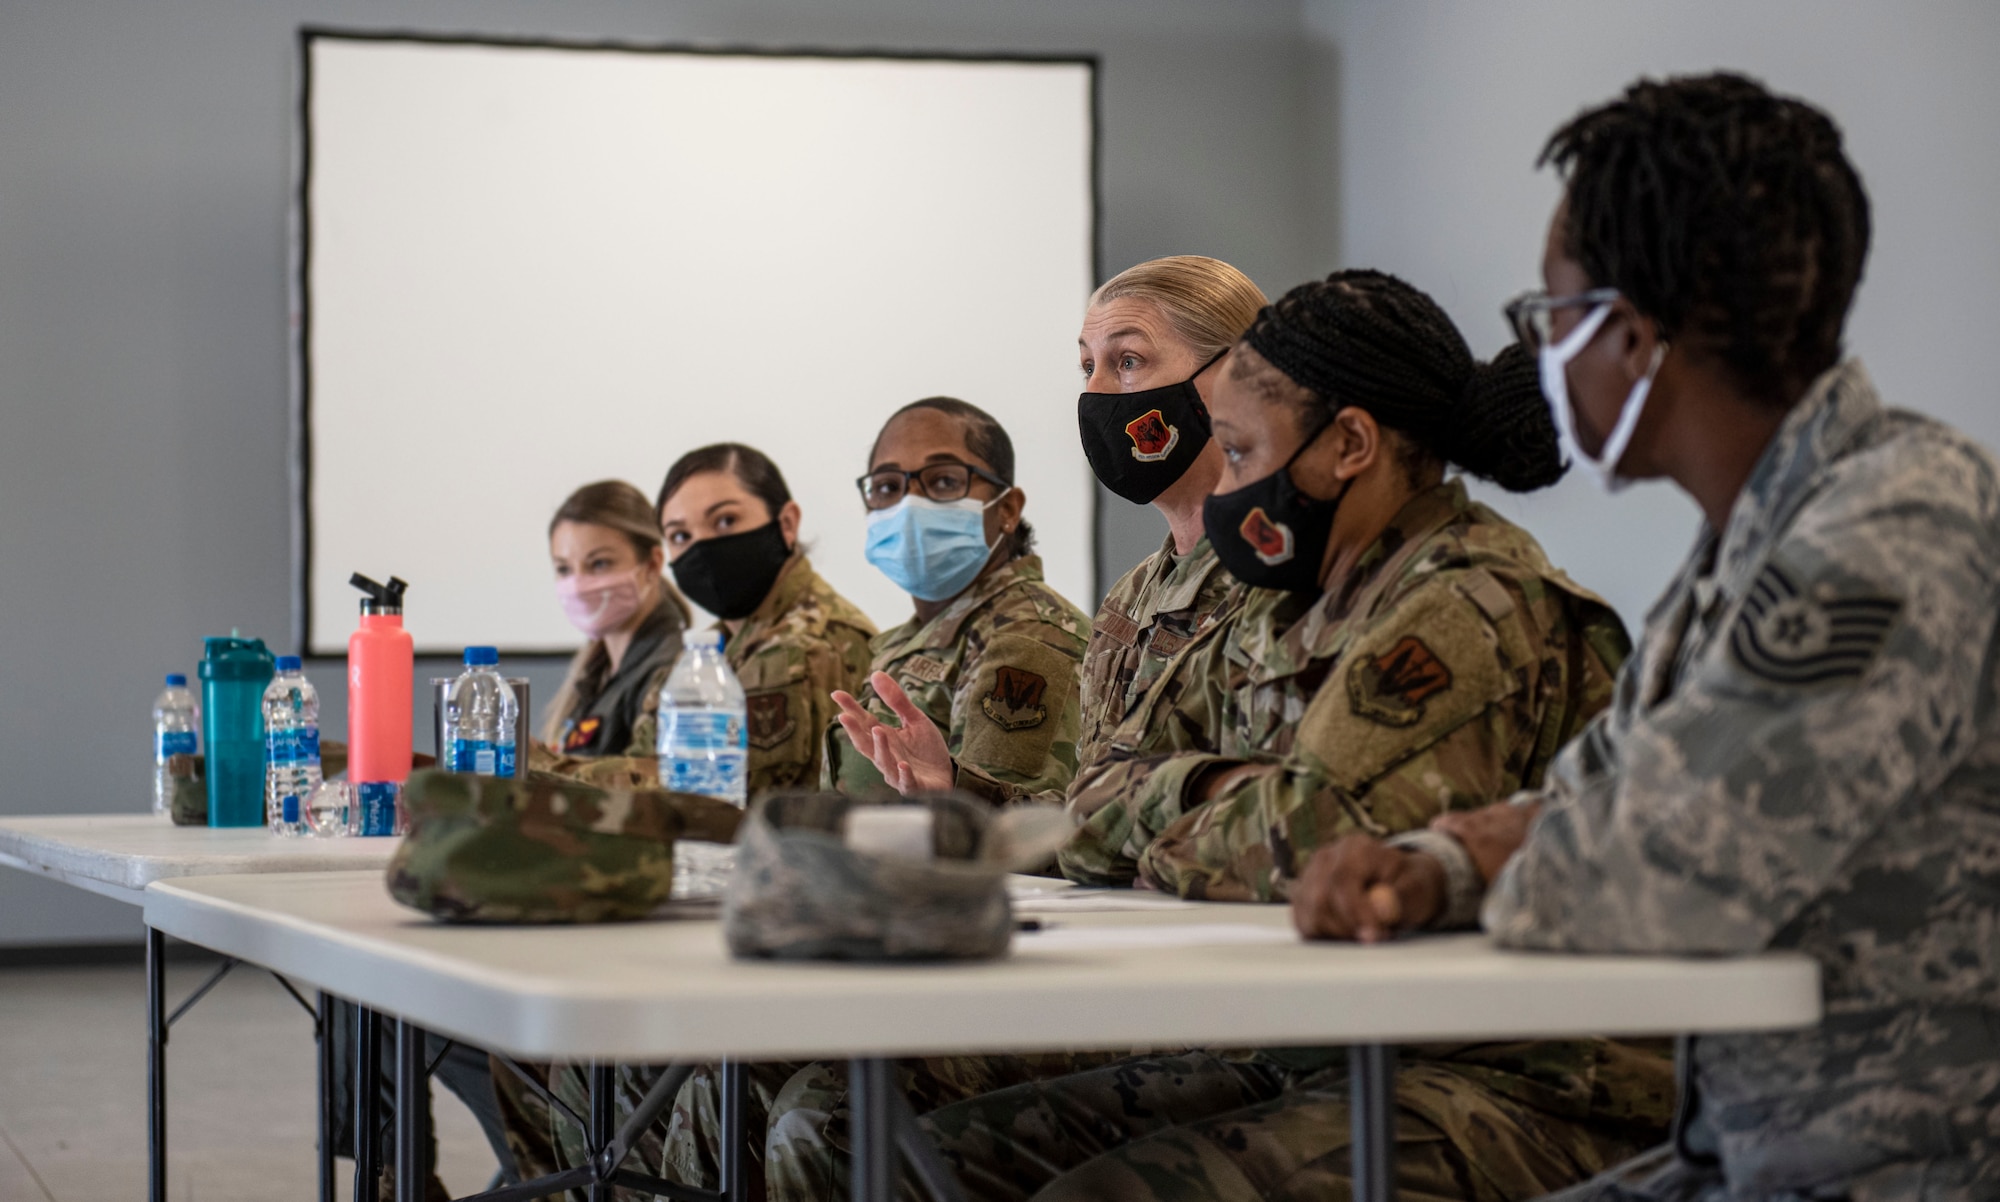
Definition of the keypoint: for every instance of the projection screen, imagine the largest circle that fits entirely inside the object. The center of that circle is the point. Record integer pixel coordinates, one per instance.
(525, 267)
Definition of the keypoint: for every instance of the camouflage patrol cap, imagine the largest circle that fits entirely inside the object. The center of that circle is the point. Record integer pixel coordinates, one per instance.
(544, 849)
(800, 892)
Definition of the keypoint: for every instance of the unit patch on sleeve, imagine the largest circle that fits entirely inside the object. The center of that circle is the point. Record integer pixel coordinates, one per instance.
(1391, 688)
(770, 718)
(1788, 637)
(1015, 701)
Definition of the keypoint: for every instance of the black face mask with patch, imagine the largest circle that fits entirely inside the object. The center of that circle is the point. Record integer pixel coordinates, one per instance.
(730, 576)
(1271, 535)
(1141, 443)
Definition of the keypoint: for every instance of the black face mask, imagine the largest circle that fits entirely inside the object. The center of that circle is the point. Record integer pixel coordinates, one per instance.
(730, 575)
(1271, 535)
(1140, 443)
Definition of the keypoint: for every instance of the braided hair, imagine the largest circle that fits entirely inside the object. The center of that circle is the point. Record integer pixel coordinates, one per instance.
(1367, 339)
(1729, 216)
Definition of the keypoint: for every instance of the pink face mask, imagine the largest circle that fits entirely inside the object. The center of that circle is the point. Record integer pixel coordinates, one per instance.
(597, 605)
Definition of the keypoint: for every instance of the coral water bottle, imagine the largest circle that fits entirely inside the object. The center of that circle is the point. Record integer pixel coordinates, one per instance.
(291, 749)
(381, 669)
(176, 718)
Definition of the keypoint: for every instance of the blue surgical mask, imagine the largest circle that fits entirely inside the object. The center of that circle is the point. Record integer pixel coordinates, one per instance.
(931, 549)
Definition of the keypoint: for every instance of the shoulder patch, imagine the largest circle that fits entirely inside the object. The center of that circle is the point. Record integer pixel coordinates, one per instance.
(1391, 688)
(1422, 670)
(1792, 638)
(1015, 700)
(770, 718)
(1011, 707)
(926, 669)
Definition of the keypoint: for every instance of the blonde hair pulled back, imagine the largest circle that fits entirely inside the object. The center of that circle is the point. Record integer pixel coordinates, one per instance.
(1208, 303)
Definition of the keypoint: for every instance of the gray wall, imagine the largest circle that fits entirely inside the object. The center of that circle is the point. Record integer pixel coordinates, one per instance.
(144, 178)
(1439, 109)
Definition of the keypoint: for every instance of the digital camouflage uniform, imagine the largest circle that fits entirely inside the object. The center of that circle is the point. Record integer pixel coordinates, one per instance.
(1442, 673)
(1805, 754)
(801, 643)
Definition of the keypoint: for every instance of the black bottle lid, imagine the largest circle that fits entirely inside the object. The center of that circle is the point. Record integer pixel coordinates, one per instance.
(381, 598)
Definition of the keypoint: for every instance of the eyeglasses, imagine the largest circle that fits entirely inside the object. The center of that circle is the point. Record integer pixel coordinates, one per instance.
(885, 487)
(1533, 314)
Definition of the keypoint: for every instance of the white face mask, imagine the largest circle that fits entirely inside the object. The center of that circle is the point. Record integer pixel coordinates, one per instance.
(1554, 362)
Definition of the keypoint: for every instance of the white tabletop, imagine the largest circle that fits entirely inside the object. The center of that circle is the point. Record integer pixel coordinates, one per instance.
(1206, 974)
(118, 855)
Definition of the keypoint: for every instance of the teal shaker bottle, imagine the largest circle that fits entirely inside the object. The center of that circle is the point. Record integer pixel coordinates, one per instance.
(234, 672)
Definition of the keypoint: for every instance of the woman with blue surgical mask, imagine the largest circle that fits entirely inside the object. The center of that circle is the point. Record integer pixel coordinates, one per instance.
(988, 664)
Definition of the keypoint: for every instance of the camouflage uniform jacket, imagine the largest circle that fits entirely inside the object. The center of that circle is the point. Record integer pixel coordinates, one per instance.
(799, 645)
(1804, 753)
(1150, 616)
(996, 669)
(1442, 673)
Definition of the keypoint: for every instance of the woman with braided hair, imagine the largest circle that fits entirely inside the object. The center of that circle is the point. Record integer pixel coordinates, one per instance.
(1409, 653)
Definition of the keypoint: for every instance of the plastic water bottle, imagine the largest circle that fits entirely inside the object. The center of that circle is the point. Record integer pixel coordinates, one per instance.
(291, 748)
(703, 738)
(176, 718)
(479, 717)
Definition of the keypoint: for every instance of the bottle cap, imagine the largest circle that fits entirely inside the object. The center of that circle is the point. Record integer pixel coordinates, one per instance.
(381, 598)
(176, 681)
(481, 657)
(235, 658)
(706, 640)
(289, 663)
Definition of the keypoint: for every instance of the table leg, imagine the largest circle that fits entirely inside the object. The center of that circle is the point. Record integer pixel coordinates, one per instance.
(367, 1114)
(603, 1121)
(874, 1147)
(735, 1187)
(156, 1065)
(1371, 1085)
(412, 1103)
(328, 1070)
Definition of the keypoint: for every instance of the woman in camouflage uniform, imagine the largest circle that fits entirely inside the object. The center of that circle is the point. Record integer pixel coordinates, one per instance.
(1153, 340)
(731, 531)
(989, 661)
(1420, 655)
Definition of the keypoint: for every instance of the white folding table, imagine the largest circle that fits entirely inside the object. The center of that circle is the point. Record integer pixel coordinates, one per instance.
(1210, 974)
(118, 855)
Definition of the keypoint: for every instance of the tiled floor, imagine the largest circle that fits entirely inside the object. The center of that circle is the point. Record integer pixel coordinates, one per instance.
(241, 1100)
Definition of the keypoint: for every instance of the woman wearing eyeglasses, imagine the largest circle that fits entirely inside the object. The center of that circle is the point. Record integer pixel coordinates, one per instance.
(989, 661)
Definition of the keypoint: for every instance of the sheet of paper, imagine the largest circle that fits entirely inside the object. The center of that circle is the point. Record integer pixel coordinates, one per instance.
(1096, 938)
(1099, 901)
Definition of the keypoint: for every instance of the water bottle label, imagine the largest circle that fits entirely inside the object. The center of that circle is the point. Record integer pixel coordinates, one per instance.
(377, 804)
(176, 742)
(703, 751)
(503, 756)
(475, 755)
(305, 744)
(290, 809)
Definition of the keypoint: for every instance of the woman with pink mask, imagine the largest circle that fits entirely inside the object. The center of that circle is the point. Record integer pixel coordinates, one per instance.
(606, 545)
